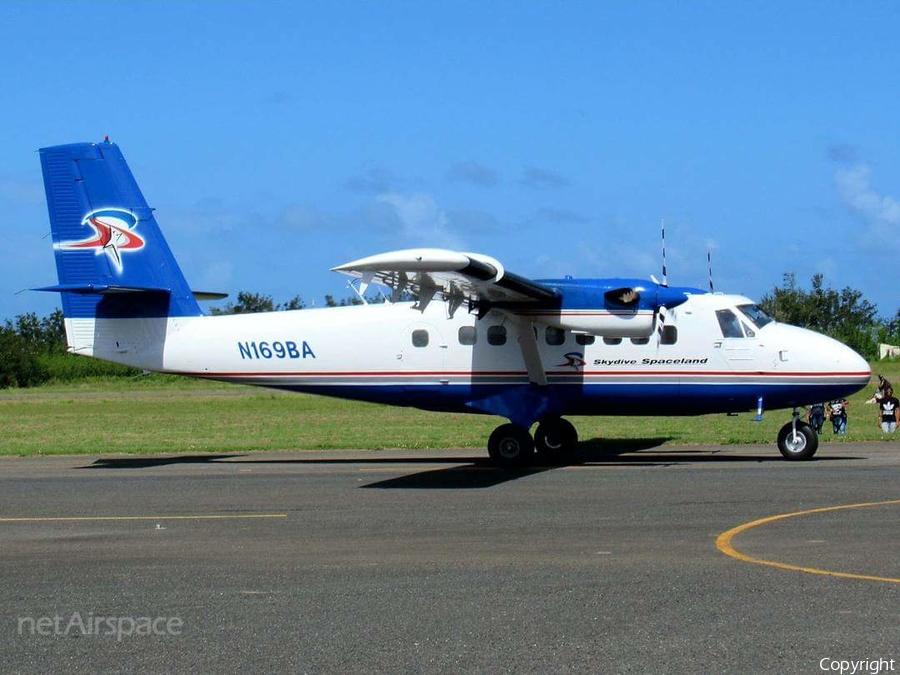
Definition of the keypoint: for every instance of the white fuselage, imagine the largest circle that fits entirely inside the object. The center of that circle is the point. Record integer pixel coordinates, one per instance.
(396, 354)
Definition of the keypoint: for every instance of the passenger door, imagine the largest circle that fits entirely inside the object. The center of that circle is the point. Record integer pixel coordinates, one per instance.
(738, 339)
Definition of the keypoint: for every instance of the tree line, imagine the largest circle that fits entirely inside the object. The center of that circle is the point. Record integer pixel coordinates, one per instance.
(844, 315)
(33, 349)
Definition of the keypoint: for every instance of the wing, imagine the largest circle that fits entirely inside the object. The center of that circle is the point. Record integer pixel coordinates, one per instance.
(448, 275)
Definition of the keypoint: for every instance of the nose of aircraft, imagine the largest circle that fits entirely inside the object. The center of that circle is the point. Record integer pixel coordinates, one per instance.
(853, 362)
(812, 353)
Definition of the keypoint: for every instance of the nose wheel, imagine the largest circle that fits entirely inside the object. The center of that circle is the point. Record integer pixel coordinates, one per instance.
(797, 440)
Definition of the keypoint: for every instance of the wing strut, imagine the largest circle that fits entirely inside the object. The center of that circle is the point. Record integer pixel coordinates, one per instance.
(530, 352)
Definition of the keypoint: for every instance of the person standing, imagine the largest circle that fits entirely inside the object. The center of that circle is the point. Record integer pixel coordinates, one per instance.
(890, 411)
(837, 411)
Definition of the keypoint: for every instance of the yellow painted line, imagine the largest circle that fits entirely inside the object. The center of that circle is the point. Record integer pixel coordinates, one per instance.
(723, 543)
(52, 519)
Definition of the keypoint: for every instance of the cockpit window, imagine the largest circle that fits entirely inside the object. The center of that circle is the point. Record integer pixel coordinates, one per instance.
(729, 323)
(756, 314)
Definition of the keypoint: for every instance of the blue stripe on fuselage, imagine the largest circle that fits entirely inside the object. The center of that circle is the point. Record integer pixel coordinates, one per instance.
(647, 400)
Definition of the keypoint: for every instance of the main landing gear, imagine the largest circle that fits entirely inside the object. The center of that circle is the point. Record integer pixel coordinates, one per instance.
(797, 440)
(554, 440)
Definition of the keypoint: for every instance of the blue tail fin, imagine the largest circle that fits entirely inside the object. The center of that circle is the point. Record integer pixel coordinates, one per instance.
(111, 257)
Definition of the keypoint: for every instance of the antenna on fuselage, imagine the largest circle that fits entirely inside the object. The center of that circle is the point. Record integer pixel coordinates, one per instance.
(709, 264)
(665, 276)
(661, 310)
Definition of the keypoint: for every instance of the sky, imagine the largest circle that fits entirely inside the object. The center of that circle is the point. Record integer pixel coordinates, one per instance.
(277, 140)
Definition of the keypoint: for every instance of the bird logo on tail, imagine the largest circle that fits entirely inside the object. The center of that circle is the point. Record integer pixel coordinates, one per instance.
(113, 235)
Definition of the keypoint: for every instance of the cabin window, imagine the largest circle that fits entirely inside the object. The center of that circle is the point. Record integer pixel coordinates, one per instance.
(554, 336)
(584, 340)
(496, 335)
(640, 341)
(669, 335)
(728, 322)
(468, 335)
(420, 338)
(612, 341)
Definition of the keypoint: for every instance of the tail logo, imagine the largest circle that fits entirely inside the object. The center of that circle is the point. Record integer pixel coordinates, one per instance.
(113, 235)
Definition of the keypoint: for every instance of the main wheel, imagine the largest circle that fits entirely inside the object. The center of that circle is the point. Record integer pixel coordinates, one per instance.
(556, 439)
(805, 444)
(511, 445)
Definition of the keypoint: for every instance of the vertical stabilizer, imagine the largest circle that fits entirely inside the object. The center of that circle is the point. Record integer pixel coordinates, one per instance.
(111, 257)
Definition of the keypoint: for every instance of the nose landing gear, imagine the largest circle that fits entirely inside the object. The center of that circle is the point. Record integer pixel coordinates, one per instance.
(797, 440)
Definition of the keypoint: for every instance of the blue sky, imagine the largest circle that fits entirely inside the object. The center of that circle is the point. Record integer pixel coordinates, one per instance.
(277, 140)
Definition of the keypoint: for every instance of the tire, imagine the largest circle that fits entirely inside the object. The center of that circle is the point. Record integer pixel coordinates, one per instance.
(805, 446)
(556, 439)
(510, 446)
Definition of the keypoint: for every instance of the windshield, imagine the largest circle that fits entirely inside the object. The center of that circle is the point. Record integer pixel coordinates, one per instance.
(756, 314)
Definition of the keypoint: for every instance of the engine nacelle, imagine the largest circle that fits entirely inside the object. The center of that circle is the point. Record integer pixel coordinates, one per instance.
(613, 308)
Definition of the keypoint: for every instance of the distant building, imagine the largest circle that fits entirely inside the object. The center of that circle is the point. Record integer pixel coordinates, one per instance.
(888, 351)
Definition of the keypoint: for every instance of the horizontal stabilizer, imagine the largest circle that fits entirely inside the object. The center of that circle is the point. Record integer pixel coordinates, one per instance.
(202, 296)
(106, 289)
(98, 289)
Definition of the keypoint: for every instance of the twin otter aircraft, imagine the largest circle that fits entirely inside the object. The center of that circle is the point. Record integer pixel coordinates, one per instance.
(478, 338)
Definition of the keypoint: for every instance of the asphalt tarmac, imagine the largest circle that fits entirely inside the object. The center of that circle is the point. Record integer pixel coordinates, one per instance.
(432, 561)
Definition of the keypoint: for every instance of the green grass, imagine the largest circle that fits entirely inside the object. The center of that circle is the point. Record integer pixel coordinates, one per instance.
(171, 414)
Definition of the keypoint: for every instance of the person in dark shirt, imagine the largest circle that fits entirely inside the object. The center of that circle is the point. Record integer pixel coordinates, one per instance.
(889, 407)
(816, 416)
(837, 411)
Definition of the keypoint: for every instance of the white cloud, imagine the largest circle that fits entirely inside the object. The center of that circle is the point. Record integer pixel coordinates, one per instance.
(421, 220)
(880, 212)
